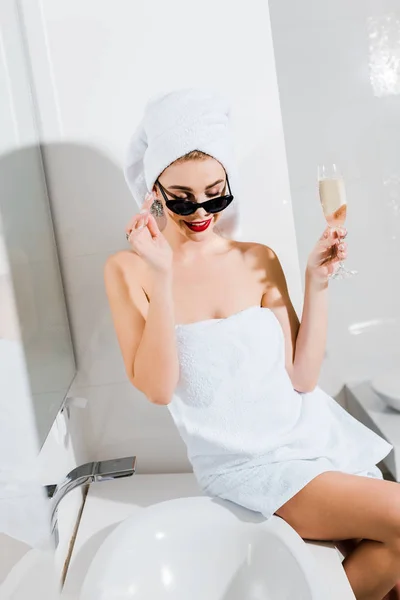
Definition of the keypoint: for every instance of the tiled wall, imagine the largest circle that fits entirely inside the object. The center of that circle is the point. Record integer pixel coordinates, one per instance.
(90, 96)
(27, 559)
(338, 67)
(26, 554)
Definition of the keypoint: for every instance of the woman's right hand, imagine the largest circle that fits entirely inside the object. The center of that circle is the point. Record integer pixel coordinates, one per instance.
(147, 241)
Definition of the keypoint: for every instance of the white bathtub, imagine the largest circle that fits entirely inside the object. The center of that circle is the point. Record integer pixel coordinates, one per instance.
(140, 539)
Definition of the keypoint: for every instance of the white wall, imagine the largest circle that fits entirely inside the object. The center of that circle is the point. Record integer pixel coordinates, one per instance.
(338, 66)
(26, 554)
(26, 570)
(26, 559)
(94, 65)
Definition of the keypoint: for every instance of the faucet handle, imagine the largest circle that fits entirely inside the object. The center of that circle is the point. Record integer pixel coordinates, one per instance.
(85, 474)
(115, 468)
(50, 489)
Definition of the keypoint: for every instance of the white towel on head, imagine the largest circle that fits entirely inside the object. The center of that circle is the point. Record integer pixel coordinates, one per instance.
(173, 124)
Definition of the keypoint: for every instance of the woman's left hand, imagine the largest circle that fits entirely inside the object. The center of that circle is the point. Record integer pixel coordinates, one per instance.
(327, 253)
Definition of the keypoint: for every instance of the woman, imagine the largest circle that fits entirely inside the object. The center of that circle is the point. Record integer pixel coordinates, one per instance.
(206, 326)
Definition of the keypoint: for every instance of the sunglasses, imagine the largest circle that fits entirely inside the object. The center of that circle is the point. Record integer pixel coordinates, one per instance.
(183, 207)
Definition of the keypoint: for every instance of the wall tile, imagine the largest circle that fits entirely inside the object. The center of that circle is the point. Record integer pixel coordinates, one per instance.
(98, 104)
(120, 421)
(98, 355)
(325, 67)
(331, 113)
(310, 12)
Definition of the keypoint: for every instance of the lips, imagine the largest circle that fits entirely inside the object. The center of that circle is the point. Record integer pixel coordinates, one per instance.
(198, 225)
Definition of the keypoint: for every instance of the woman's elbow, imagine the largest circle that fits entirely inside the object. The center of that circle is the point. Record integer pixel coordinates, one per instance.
(304, 387)
(300, 382)
(160, 398)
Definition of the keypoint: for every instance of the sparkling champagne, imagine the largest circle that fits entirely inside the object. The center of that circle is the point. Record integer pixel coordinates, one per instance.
(332, 194)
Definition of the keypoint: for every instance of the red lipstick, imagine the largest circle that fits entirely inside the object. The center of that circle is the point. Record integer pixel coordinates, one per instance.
(198, 226)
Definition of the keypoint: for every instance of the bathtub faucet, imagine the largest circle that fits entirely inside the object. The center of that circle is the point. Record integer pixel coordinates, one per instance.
(88, 473)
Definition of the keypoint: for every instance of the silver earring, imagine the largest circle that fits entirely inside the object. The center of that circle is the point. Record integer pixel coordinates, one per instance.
(156, 208)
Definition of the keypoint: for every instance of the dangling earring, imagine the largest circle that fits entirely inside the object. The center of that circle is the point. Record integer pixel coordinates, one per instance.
(156, 208)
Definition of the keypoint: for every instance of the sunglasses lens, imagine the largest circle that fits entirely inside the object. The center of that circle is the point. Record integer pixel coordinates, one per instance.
(185, 208)
(181, 208)
(217, 204)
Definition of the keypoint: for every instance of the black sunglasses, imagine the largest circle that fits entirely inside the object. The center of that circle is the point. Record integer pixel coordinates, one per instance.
(183, 207)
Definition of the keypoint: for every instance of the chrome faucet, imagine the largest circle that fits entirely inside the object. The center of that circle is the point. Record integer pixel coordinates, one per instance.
(84, 474)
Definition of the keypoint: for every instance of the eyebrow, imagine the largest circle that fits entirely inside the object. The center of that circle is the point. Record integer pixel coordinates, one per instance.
(188, 189)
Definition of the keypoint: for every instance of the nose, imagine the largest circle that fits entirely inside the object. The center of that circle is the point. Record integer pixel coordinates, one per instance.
(201, 213)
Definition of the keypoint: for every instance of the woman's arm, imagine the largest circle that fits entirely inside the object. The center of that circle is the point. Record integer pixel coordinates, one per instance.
(147, 343)
(311, 337)
(276, 298)
(305, 342)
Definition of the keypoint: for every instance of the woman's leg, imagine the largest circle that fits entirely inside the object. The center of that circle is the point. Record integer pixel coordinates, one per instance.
(347, 546)
(338, 506)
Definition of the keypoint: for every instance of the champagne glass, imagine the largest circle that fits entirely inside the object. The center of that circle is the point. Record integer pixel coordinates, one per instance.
(332, 194)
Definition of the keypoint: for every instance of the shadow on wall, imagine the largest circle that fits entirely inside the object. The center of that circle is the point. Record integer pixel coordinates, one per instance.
(91, 196)
(91, 204)
(79, 205)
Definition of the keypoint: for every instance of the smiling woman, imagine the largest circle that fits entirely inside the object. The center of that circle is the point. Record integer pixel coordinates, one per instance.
(239, 375)
(154, 152)
(183, 206)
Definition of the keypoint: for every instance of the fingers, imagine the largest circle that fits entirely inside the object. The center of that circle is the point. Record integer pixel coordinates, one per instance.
(139, 221)
(342, 251)
(334, 254)
(332, 236)
(148, 201)
(136, 225)
(335, 232)
(328, 238)
(145, 211)
(152, 226)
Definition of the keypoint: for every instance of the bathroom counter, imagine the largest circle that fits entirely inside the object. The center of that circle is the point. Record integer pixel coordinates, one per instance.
(368, 408)
(110, 502)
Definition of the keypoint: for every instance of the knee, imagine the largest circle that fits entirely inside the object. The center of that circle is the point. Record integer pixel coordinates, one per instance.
(389, 507)
(393, 538)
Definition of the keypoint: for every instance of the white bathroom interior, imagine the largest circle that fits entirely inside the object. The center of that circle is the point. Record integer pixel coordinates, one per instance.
(310, 82)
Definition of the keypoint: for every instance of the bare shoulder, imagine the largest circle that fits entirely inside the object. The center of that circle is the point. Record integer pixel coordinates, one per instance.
(123, 262)
(264, 259)
(125, 272)
(263, 254)
(125, 281)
